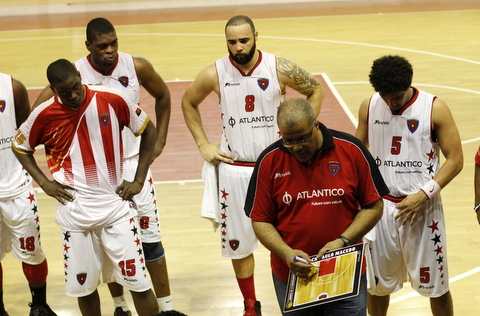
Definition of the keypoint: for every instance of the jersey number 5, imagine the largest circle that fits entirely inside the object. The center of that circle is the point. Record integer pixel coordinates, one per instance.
(249, 103)
(425, 275)
(396, 145)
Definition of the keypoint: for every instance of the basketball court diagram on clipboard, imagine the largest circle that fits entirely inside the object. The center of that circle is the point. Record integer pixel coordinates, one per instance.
(338, 277)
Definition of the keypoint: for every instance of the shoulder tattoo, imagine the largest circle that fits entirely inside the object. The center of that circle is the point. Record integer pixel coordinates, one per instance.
(303, 81)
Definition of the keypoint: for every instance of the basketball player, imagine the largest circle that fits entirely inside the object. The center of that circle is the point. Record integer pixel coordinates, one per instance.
(80, 129)
(107, 67)
(291, 219)
(250, 85)
(19, 219)
(406, 129)
(477, 185)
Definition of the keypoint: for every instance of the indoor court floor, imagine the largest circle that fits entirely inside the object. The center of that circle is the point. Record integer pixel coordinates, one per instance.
(336, 40)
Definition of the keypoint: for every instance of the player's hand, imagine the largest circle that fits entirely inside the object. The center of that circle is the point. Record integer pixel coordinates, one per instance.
(332, 245)
(411, 207)
(127, 190)
(58, 191)
(213, 154)
(301, 270)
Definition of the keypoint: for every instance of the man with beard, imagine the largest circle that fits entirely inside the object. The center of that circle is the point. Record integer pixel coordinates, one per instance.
(250, 84)
(107, 67)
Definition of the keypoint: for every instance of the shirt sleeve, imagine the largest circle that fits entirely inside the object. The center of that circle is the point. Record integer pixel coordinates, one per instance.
(133, 116)
(29, 134)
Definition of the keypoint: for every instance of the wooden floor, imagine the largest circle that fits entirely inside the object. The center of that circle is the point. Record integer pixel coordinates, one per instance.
(337, 38)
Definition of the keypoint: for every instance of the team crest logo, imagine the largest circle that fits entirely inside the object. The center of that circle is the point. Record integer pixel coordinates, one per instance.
(138, 111)
(2, 105)
(412, 125)
(234, 244)
(105, 120)
(124, 81)
(81, 278)
(333, 167)
(263, 83)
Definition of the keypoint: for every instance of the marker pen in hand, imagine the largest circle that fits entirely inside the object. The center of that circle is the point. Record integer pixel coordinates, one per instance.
(300, 259)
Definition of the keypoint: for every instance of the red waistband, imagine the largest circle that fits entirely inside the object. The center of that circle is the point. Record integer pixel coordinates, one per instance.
(243, 164)
(394, 199)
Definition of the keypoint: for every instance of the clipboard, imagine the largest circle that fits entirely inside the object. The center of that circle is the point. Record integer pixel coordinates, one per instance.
(337, 278)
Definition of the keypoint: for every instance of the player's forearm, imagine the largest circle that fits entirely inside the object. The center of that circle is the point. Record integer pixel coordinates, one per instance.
(194, 123)
(162, 113)
(147, 145)
(449, 170)
(316, 99)
(29, 163)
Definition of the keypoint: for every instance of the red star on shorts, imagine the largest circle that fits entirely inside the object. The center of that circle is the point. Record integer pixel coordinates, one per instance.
(137, 241)
(434, 226)
(37, 219)
(430, 155)
(132, 220)
(65, 248)
(224, 194)
(438, 250)
(31, 197)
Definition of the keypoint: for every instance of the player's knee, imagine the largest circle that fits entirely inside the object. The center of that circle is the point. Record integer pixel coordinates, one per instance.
(153, 251)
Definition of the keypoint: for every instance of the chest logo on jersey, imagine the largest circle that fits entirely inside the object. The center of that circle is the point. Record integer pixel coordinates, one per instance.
(333, 167)
(105, 120)
(124, 81)
(412, 125)
(3, 105)
(263, 83)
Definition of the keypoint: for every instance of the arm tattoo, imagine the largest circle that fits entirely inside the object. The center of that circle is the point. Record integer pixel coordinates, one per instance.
(303, 82)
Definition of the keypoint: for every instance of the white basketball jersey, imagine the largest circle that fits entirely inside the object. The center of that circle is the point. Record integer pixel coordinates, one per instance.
(13, 177)
(248, 104)
(413, 155)
(122, 77)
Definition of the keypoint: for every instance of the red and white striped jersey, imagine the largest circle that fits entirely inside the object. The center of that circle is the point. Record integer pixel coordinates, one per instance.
(83, 147)
(123, 77)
